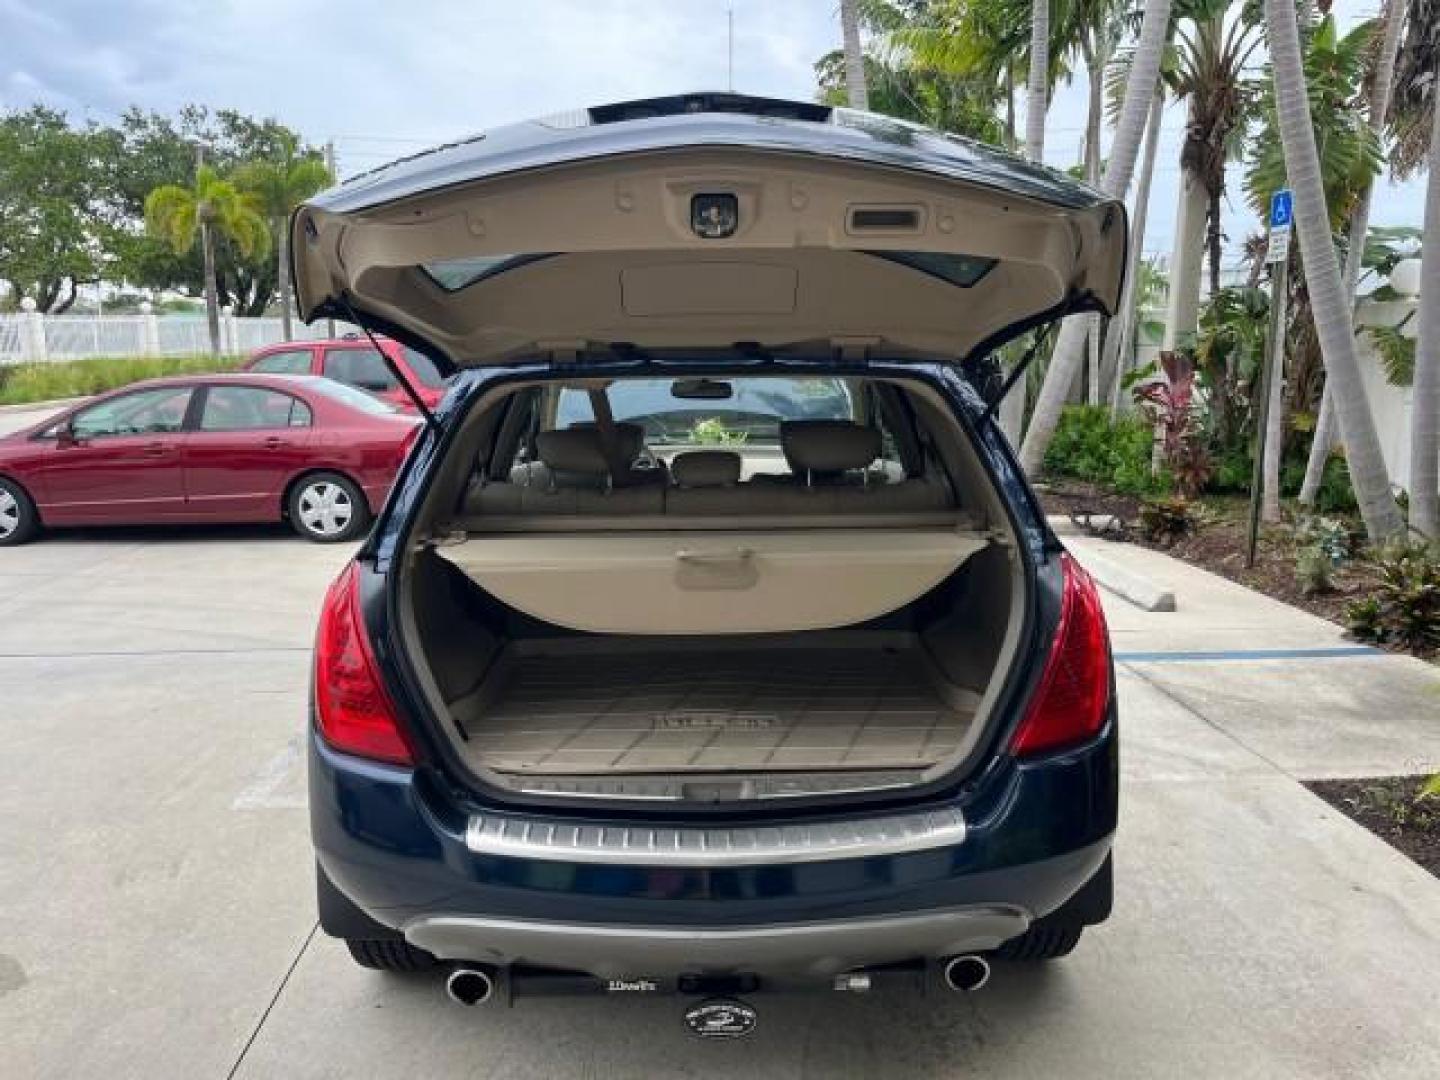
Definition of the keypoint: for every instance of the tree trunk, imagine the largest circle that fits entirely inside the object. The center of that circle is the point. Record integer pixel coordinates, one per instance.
(1182, 315)
(1122, 329)
(1094, 112)
(1334, 324)
(1425, 390)
(1070, 346)
(1009, 107)
(1212, 237)
(1037, 84)
(1092, 351)
(855, 87)
(212, 296)
(282, 267)
(71, 295)
(1380, 87)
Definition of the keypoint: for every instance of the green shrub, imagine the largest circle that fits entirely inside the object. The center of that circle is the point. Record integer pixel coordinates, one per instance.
(1312, 570)
(1404, 607)
(1088, 445)
(56, 379)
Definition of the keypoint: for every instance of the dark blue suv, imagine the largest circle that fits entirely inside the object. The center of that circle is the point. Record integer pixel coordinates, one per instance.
(711, 639)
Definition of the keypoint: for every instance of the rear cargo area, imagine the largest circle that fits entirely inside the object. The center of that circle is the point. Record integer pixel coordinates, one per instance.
(834, 702)
(819, 605)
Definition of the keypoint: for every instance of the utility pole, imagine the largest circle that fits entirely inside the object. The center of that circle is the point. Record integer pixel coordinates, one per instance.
(730, 49)
(334, 179)
(1278, 256)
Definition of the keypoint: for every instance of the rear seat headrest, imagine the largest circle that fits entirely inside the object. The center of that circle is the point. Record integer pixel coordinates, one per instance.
(828, 446)
(705, 468)
(577, 449)
(630, 437)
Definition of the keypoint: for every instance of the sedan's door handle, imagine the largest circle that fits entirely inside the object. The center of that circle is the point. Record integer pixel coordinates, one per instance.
(274, 442)
(155, 449)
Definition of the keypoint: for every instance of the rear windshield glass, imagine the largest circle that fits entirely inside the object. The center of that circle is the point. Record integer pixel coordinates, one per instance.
(453, 274)
(750, 411)
(348, 395)
(424, 368)
(962, 270)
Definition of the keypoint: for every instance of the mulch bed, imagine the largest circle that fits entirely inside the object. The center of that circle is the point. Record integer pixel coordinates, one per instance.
(1217, 544)
(1388, 807)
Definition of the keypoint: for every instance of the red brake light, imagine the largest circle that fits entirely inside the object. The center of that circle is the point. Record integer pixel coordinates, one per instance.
(1070, 703)
(352, 709)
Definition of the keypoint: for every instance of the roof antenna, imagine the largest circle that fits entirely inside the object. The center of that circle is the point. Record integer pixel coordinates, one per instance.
(394, 368)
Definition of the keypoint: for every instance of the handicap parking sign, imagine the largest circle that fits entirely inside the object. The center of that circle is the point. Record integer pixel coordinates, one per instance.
(1282, 209)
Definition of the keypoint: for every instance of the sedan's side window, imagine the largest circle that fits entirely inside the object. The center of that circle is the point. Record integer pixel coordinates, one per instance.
(249, 408)
(295, 362)
(145, 412)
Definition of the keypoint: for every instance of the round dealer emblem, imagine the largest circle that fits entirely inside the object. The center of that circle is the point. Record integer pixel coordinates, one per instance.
(720, 1018)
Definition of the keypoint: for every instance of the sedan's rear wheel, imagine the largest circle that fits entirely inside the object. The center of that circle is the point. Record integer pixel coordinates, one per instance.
(19, 521)
(328, 508)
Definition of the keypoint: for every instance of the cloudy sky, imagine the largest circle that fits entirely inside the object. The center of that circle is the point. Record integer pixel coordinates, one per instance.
(382, 79)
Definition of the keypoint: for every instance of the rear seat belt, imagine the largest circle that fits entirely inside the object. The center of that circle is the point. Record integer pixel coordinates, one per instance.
(609, 439)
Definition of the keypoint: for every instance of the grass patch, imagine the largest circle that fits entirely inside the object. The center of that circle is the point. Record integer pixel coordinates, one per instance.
(21, 384)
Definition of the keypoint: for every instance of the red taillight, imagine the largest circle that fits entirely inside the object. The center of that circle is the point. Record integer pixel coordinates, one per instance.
(352, 709)
(1070, 703)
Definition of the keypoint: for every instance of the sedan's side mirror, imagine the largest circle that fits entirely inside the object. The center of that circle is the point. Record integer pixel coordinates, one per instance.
(65, 436)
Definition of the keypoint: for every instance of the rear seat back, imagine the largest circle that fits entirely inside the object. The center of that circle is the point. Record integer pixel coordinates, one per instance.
(831, 475)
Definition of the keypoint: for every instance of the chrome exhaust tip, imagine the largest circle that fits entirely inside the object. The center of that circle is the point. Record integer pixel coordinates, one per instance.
(966, 974)
(470, 986)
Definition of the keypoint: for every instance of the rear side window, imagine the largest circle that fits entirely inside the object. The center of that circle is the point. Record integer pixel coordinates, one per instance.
(364, 368)
(295, 362)
(250, 408)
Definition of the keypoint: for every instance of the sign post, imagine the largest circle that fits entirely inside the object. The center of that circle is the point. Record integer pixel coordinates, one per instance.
(1282, 216)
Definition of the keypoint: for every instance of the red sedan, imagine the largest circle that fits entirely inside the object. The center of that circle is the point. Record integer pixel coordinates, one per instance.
(213, 448)
(353, 361)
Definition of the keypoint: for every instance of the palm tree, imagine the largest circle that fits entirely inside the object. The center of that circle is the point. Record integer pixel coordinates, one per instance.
(1425, 390)
(274, 188)
(1333, 323)
(1207, 71)
(1070, 346)
(1122, 327)
(854, 57)
(1380, 87)
(1037, 84)
(180, 215)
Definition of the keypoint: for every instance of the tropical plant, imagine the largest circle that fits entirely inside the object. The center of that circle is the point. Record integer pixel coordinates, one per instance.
(1411, 115)
(1070, 344)
(1404, 606)
(1228, 352)
(1092, 445)
(181, 216)
(1171, 406)
(1207, 68)
(275, 187)
(1331, 309)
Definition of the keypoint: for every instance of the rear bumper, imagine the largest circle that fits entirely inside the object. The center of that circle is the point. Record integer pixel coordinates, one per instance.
(801, 951)
(394, 843)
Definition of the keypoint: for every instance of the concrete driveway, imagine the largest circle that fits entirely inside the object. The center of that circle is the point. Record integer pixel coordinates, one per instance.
(157, 878)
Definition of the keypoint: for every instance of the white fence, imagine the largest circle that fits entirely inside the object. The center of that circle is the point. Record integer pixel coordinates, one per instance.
(29, 337)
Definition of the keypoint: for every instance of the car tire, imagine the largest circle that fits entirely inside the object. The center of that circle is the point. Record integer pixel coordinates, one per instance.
(19, 520)
(328, 508)
(1041, 943)
(389, 955)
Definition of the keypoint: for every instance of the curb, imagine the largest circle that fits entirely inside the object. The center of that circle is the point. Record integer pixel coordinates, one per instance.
(1126, 584)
